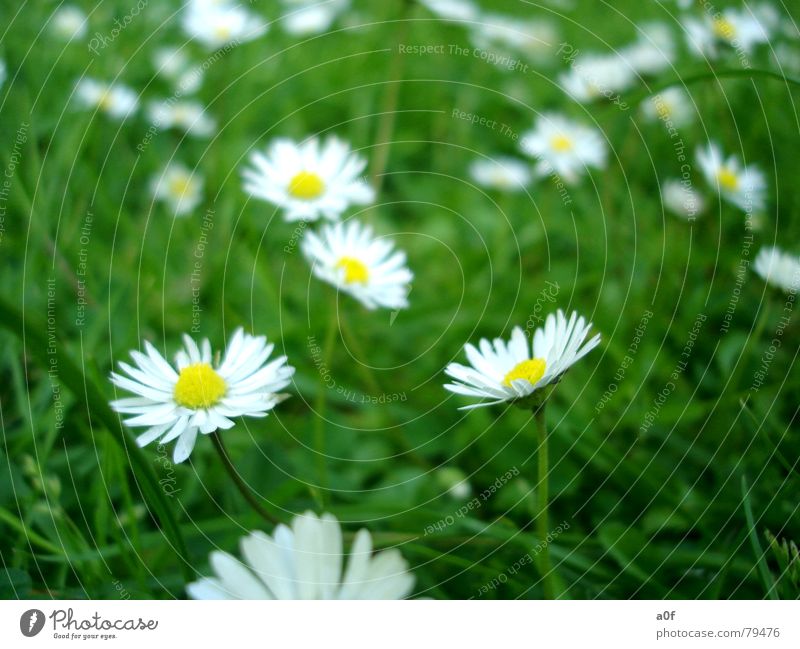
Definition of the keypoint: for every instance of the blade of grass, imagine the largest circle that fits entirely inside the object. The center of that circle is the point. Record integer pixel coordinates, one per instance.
(761, 561)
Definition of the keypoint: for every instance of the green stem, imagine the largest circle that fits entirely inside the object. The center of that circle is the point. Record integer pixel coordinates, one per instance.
(542, 520)
(248, 495)
(321, 494)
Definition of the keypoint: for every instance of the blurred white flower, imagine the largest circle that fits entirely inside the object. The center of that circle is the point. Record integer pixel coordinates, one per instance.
(508, 174)
(682, 199)
(69, 23)
(778, 268)
(452, 9)
(351, 258)
(174, 65)
(533, 38)
(673, 105)
(198, 397)
(653, 51)
(738, 29)
(217, 24)
(597, 76)
(455, 482)
(310, 179)
(188, 116)
(306, 17)
(178, 186)
(115, 100)
(742, 186)
(564, 147)
(305, 561)
(510, 371)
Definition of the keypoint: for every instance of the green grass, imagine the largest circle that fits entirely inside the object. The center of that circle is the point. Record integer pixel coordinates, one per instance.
(654, 511)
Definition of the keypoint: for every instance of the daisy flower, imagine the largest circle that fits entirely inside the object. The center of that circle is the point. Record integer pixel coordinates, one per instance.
(653, 51)
(507, 174)
(564, 147)
(194, 395)
(743, 186)
(310, 179)
(306, 17)
(174, 65)
(681, 199)
(596, 76)
(115, 100)
(188, 116)
(216, 25)
(737, 29)
(452, 9)
(178, 186)
(69, 23)
(512, 371)
(673, 105)
(305, 561)
(778, 268)
(534, 38)
(348, 256)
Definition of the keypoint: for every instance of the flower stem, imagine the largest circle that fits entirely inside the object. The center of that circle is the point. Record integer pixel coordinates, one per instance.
(249, 496)
(542, 520)
(320, 406)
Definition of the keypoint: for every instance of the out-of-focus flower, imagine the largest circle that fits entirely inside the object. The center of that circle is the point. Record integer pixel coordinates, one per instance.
(195, 396)
(564, 147)
(174, 65)
(70, 23)
(116, 100)
(778, 268)
(306, 17)
(743, 186)
(452, 9)
(737, 29)
(532, 38)
(597, 76)
(217, 25)
(188, 116)
(351, 258)
(653, 51)
(506, 174)
(682, 199)
(305, 561)
(513, 371)
(179, 187)
(310, 179)
(672, 106)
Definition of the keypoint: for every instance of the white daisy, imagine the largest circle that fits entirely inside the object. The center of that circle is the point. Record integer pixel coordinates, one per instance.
(509, 371)
(174, 65)
(306, 17)
(452, 9)
(508, 174)
(178, 186)
(682, 199)
(653, 51)
(534, 38)
(564, 147)
(115, 100)
(69, 23)
(737, 29)
(188, 116)
(596, 76)
(310, 179)
(216, 25)
(778, 268)
(742, 186)
(194, 396)
(348, 256)
(672, 106)
(305, 562)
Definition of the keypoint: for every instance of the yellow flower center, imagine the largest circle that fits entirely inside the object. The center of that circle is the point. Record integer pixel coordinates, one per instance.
(728, 179)
(663, 110)
(105, 102)
(561, 143)
(306, 186)
(531, 370)
(180, 186)
(355, 271)
(723, 28)
(222, 32)
(199, 386)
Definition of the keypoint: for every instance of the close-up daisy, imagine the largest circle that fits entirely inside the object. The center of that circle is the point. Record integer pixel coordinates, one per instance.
(682, 199)
(115, 100)
(188, 116)
(351, 258)
(778, 268)
(195, 395)
(306, 561)
(564, 147)
(505, 174)
(308, 180)
(217, 25)
(179, 187)
(501, 371)
(743, 186)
